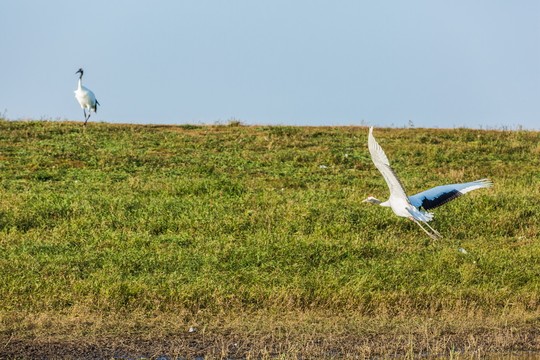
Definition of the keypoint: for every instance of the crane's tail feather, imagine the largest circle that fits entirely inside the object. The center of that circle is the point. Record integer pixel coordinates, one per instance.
(419, 214)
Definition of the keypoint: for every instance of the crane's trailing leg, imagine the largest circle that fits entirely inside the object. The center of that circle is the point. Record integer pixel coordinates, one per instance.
(432, 229)
(427, 232)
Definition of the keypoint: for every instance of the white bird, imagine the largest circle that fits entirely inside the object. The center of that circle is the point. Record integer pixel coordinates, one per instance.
(409, 206)
(86, 98)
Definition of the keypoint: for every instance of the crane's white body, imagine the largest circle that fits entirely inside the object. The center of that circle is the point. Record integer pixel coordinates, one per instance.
(409, 206)
(86, 98)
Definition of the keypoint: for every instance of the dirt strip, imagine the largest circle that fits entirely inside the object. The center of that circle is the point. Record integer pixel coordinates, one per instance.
(234, 346)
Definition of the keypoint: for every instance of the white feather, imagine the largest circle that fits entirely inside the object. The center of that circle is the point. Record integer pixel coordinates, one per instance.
(398, 200)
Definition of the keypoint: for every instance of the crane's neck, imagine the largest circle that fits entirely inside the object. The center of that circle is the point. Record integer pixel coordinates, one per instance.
(373, 200)
(80, 82)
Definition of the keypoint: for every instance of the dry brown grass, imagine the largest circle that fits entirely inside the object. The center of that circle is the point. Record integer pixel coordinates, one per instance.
(310, 334)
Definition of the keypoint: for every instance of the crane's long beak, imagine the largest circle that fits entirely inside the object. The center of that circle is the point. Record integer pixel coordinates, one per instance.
(364, 200)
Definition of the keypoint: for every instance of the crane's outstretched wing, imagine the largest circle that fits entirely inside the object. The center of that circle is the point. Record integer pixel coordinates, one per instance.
(440, 195)
(381, 162)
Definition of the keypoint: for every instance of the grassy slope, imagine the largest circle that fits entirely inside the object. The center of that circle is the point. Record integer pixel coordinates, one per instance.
(124, 218)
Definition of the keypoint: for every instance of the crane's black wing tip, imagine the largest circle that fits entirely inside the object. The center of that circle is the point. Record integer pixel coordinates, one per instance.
(442, 199)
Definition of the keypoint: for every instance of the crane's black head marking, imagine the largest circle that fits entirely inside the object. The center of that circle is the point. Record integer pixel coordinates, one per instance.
(80, 71)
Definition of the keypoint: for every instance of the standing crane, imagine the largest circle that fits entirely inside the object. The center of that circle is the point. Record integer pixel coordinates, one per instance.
(409, 206)
(85, 97)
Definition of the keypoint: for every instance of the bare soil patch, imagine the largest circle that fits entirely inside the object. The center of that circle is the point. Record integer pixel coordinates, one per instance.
(262, 336)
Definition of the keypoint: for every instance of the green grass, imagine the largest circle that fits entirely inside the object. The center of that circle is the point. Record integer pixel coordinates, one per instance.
(127, 218)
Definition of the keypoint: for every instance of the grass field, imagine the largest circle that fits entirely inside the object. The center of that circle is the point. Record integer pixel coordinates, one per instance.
(228, 227)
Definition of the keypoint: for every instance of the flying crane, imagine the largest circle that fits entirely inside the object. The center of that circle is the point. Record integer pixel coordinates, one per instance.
(410, 206)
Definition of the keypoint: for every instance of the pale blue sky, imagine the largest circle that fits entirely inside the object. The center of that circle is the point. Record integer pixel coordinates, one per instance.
(303, 62)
